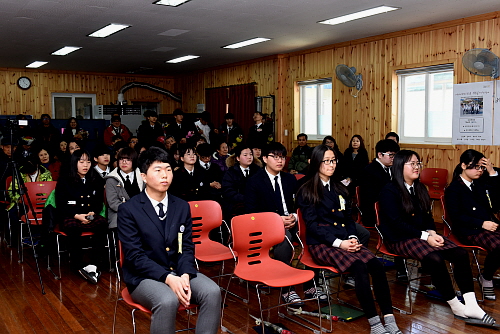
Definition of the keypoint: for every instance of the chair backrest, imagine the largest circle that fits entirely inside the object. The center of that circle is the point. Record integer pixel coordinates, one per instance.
(380, 242)
(434, 178)
(254, 234)
(120, 251)
(446, 219)
(302, 228)
(299, 176)
(357, 198)
(38, 193)
(206, 216)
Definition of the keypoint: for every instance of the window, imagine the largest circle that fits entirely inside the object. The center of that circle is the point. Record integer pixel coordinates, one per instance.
(316, 108)
(66, 105)
(426, 104)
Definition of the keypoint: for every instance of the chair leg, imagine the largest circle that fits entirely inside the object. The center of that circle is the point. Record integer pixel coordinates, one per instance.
(59, 255)
(478, 271)
(133, 318)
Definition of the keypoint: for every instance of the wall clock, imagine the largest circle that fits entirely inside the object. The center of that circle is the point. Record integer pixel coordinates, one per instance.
(24, 82)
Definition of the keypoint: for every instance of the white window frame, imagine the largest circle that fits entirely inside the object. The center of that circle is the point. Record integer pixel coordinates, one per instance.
(323, 81)
(73, 103)
(401, 74)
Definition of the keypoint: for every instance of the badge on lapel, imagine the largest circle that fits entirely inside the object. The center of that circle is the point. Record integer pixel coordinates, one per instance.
(342, 203)
(179, 238)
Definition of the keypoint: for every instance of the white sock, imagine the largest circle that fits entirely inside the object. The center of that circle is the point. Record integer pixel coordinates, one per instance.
(472, 309)
(457, 307)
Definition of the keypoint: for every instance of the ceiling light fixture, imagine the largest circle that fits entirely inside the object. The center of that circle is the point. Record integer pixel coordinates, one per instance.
(65, 50)
(246, 43)
(37, 64)
(108, 30)
(178, 60)
(172, 3)
(359, 15)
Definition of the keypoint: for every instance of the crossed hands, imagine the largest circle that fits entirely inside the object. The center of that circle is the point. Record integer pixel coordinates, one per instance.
(181, 287)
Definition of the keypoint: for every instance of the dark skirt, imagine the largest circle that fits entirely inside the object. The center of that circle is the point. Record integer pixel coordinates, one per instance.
(337, 257)
(486, 239)
(417, 248)
(69, 223)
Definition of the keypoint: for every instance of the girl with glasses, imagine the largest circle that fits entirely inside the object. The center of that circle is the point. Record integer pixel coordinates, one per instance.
(408, 228)
(332, 240)
(472, 201)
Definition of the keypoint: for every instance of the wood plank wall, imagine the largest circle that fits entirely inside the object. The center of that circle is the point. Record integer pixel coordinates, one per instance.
(37, 100)
(374, 112)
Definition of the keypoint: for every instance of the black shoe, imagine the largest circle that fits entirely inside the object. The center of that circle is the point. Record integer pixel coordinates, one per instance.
(401, 277)
(90, 276)
(292, 298)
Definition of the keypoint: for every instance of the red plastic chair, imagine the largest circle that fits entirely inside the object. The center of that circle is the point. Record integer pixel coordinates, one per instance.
(253, 236)
(37, 192)
(127, 298)
(436, 180)
(447, 231)
(357, 199)
(383, 249)
(298, 176)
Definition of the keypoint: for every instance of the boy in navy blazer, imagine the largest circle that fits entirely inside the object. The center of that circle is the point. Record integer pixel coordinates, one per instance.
(154, 228)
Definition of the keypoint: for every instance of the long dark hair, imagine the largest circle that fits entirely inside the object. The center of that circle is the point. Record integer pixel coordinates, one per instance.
(398, 165)
(361, 148)
(312, 190)
(73, 166)
(470, 158)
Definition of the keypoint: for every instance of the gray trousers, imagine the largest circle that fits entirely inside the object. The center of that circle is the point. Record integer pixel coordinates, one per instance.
(162, 301)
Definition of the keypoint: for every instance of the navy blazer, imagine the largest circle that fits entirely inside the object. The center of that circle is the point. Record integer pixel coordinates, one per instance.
(397, 225)
(325, 221)
(371, 182)
(151, 251)
(233, 188)
(259, 193)
(469, 209)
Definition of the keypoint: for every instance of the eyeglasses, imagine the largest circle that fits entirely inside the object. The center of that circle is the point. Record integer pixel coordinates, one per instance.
(125, 160)
(390, 155)
(477, 167)
(330, 162)
(277, 157)
(415, 165)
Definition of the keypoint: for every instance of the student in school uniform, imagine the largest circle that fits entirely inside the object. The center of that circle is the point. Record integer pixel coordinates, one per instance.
(260, 133)
(123, 183)
(102, 157)
(189, 179)
(242, 168)
(374, 177)
(332, 239)
(272, 190)
(79, 201)
(212, 172)
(155, 230)
(471, 202)
(409, 231)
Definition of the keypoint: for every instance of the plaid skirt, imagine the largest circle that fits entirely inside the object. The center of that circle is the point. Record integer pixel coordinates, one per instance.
(486, 239)
(417, 248)
(337, 257)
(72, 223)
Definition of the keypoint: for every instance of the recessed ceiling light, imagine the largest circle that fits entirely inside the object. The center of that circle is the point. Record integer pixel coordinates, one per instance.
(37, 64)
(246, 43)
(178, 60)
(173, 3)
(65, 50)
(359, 15)
(108, 30)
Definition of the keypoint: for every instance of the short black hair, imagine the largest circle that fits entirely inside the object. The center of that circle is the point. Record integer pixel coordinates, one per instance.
(229, 115)
(115, 118)
(100, 150)
(259, 112)
(301, 135)
(185, 148)
(128, 153)
(178, 112)
(150, 156)
(392, 134)
(45, 115)
(204, 150)
(274, 148)
(386, 145)
(150, 113)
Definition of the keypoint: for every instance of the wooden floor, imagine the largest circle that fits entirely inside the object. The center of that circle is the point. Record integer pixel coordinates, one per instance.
(71, 305)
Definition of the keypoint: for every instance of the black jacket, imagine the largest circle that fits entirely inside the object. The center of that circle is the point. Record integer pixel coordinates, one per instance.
(233, 189)
(373, 179)
(74, 197)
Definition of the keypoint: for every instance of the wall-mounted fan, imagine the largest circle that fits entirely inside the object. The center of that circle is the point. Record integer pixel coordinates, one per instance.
(347, 75)
(481, 62)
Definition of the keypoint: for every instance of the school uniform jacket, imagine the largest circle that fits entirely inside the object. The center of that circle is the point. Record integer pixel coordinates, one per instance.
(373, 179)
(75, 197)
(397, 225)
(327, 220)
(233, 188)
(190, 188)
(468, 209)
(259, 193)
(116, 194)
(150, 250)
